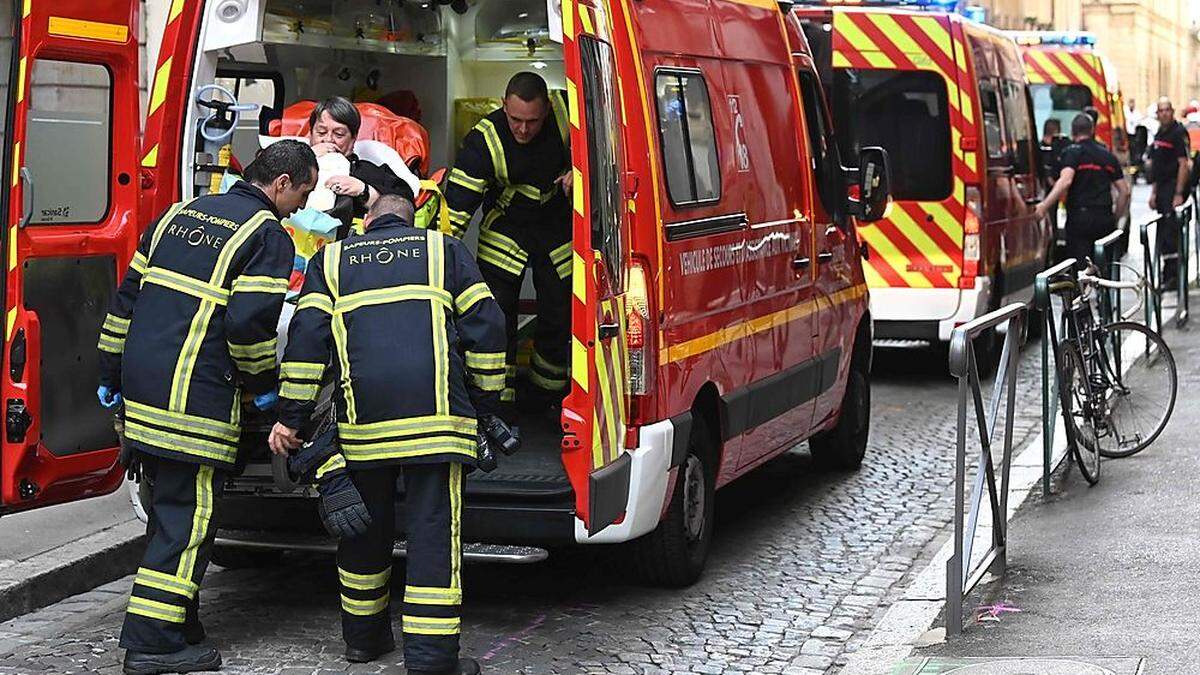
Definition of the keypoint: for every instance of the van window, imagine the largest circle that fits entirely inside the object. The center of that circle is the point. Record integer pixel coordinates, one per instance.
(68, 141)
(1059, 101)
(689, 141)
(905, 112)
(993, 125)
(605, 155)
(823, 156)
(1018, 124)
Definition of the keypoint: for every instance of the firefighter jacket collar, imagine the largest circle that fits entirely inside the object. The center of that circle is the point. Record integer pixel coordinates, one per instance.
(247, 189)
(388, 220)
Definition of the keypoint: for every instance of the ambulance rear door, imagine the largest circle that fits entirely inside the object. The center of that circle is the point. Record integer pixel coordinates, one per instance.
(70, 131)
(595, 411)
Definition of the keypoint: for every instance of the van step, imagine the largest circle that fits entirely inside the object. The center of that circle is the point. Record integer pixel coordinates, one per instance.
(471, 551)
(896, 343)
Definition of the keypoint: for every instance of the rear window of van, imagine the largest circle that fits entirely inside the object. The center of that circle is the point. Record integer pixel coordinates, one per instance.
(906, 113)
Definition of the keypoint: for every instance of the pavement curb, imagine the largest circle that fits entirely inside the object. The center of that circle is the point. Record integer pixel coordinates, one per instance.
(70, 569)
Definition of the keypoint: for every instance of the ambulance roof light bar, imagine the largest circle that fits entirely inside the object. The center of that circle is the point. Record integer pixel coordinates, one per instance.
(1066, 38)
(933, 5)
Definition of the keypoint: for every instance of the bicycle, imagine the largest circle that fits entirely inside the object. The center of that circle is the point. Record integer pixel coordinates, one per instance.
(1117, 381)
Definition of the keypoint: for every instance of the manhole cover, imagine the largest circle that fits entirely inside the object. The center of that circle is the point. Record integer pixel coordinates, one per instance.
(1030, 667)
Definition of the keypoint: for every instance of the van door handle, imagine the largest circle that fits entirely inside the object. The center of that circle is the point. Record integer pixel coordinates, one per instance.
(608, 331)
(801, 263)
(824, 256)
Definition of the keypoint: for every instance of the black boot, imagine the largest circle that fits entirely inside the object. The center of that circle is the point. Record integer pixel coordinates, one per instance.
(194, 633)
(465, 667)
(357, 655)
(190, 659)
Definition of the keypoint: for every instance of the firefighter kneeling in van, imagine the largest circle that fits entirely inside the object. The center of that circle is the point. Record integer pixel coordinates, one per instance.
(417, 345)
(517, 163)
(1089, 172)
(191, 327)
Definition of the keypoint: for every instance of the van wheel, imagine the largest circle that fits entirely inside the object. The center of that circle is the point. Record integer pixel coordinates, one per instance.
(674, 554)
(843, 446)
(234, 558)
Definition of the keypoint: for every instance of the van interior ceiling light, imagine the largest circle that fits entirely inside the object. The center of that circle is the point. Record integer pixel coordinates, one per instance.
(231, 10)
(459, 6)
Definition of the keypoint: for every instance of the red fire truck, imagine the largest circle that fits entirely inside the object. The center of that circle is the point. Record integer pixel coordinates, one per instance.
(719, 311)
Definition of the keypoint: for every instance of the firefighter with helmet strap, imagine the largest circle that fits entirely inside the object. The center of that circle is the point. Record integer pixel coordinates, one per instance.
(516, 164)
(192, 327)
(415, 341)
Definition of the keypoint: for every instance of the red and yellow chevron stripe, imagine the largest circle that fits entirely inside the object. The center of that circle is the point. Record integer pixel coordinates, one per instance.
(1073, 66)
(918, 244)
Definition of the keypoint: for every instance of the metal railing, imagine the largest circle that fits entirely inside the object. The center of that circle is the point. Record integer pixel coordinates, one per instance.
(1050, 401)
(961, 575)
(1104, 255)
(1153, 260)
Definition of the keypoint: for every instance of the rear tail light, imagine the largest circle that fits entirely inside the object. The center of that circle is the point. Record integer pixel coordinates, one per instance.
(639, 334)
(971, 241)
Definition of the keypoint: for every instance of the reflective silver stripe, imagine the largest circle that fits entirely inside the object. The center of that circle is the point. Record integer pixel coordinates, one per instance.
(174, 420)
(495, 148)
(246, 284)
(468, 298)
(387, 296)
(186, 285)
(460, 177)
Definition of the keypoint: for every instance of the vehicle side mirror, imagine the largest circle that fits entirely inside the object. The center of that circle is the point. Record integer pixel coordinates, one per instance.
(874, 185)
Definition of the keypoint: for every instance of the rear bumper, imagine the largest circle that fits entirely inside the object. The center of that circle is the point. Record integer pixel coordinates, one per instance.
(649, 475)
(904, 313)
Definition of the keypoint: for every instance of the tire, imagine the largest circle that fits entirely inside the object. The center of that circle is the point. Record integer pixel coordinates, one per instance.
(674, 554)
(1075, 393)
(842, 448)
(234, 558)
(1147, 386)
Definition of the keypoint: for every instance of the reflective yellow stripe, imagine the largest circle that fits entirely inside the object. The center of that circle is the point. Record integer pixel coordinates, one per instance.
(495, 149)
(299, 392)
(365, 607)
(455, 489)
(407, 427)
(318, 301)
(200, 520)
(255, 366)
(182, 421)
(563, 270)
(488, 382)
(540, 362)
(408, 448)
(333, 262)
(467, 299)
(161, 226)
(332, 464)
(459, 217)
(423, 625)
(547, 383)
(365, 582)
(154, 609)
(182, 444)
(560, 115)
(460, 177)
(500, 260)
(116, 324)
(562, 253)
(387, 296)
(300, 370)
(245, 284)
(186, 285)
(437, 317)
(485, 360)
(166, 582)
(111, 344)
(429, 595)
(139, 263)
(257, 350)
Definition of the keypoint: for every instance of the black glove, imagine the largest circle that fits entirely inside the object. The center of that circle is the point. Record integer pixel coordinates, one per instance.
(342, 510)
(128, 457)
(485, 459)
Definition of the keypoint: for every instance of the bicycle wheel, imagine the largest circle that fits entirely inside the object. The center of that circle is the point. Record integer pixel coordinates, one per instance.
(1076, 395)
(1138, 390)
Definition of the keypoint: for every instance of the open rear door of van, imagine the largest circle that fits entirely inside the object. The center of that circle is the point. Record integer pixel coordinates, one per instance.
(595, 411)
(70, 139)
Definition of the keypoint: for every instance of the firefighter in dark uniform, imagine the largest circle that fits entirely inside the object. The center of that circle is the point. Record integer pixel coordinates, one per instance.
(1168, 155)
(416, 343)
(1087, 177)
(516, 163)
(193, 327)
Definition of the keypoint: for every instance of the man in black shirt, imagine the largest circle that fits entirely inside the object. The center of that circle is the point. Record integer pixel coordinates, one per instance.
(1168, 175)
(1089, 174)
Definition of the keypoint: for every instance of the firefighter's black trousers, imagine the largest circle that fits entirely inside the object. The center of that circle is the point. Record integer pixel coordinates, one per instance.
(431, 606)
(507, 247)
(1167, 235)
(165, 598)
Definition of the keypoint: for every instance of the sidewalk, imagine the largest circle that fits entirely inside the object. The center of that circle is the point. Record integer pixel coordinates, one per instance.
(1106, 574)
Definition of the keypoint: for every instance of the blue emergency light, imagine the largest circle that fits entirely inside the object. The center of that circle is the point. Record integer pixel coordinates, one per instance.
(933, 5)
(1052, 38)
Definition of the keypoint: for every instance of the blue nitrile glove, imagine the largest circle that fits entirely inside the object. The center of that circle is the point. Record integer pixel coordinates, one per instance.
(265, 402)
(109, 397)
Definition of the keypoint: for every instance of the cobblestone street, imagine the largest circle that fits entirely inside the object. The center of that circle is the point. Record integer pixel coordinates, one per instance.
(803, 562)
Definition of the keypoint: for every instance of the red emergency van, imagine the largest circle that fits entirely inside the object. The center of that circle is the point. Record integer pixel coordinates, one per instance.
(948, 99)
(719, 310)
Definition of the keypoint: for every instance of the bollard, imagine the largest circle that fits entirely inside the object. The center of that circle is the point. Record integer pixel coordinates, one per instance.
(1041, 302)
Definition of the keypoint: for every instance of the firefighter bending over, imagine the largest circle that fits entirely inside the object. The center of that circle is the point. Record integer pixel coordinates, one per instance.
(416, 342)
(192, 327)
(516, 163)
